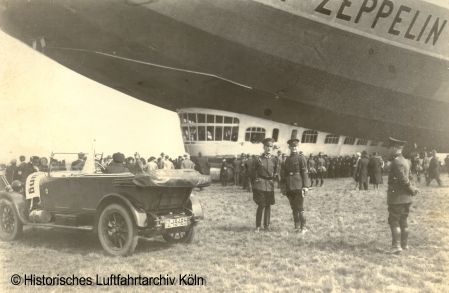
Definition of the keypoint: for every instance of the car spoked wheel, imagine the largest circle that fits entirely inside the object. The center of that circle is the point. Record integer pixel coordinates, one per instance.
(10, 225)
(179, 236)
(116, 230)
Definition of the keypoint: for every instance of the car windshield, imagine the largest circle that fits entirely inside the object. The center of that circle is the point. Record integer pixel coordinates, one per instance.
(68, 162)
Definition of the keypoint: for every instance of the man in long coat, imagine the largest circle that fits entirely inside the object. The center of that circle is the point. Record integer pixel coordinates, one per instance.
(362, 171)
(237, 164)
(434, 169)
(375, 170)
(202, 164)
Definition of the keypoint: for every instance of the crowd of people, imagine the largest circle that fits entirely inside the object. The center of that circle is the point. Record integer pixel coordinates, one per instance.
(117, 163)
(296, 173)
(239, 171)
(365, 168)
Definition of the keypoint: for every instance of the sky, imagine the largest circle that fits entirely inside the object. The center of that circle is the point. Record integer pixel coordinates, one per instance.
(443, 3)
(46, 108)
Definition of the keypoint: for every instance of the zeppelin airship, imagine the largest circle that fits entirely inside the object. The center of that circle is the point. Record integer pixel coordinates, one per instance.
(360, 68)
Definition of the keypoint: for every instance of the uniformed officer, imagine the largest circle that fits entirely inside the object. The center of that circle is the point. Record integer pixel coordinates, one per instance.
(320, 169)
(311, 166)
(295, 179)
(399, 196)
(265, 171)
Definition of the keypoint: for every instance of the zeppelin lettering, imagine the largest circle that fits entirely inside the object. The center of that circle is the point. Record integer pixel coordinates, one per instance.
(393, 17)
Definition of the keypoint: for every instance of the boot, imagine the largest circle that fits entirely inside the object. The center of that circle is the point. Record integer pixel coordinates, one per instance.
(404, 238)
(266, 219)
(297, 227)
(395, 240)
(302, 220)
(259, 212)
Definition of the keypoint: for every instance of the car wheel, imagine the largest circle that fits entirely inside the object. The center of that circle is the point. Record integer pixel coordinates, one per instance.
(116, 230)
(180, 236)
(10, 225)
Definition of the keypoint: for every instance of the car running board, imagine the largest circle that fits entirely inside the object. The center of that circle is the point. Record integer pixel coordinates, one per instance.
(83, 228)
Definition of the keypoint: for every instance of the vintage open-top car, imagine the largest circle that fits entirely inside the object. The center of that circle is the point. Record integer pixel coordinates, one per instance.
(118, 207)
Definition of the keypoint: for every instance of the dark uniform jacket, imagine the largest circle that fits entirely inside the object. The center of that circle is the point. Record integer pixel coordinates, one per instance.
(320, 165)
(294, 173)
(236, 165)
(399, 189)
(266, 169)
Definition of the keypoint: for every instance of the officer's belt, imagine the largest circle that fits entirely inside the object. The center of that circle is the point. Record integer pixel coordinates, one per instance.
(293, 173)
(266, 178)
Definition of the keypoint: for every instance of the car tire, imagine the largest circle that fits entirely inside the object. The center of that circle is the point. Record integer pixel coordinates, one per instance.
(180, 236)
(10, 225)
(116, 230)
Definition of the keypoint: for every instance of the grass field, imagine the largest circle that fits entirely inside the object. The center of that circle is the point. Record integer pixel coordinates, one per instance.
(345, 250)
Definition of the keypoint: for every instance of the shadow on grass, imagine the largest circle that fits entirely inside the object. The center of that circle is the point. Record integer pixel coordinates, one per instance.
(235, 228)
(78, 242)
(371, 251)
(339, 244)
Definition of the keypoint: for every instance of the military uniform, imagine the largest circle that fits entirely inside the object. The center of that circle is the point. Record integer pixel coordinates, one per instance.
(236, 164)
(295, 177)
(399, 199)
(311, 165)
(265, 170)
(320, 170)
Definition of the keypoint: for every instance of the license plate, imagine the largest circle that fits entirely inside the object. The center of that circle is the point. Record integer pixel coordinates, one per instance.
(178, 222)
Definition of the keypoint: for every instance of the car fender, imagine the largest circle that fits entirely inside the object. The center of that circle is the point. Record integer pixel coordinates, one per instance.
(197, 208)
(139, 215)
(19, 203)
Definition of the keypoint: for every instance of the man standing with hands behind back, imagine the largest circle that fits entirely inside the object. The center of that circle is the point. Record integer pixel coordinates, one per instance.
(399, 196)
(296, 181)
